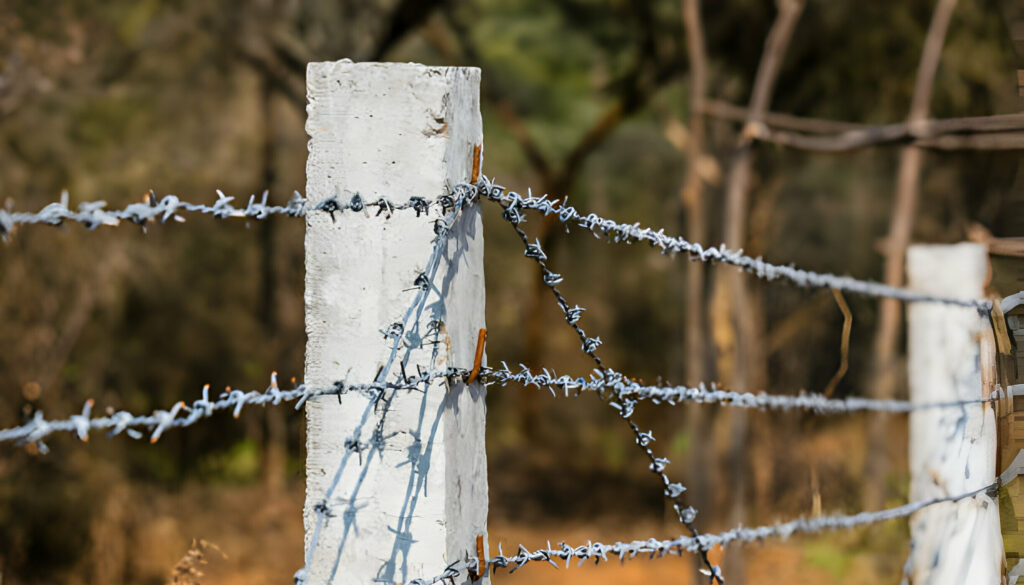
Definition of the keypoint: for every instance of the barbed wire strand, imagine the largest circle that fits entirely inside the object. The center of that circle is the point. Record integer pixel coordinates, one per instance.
(38, 428)
(93, 214)
(452, 206)
(182, 415)
(628, 233)
(623, 405)
(654, 548)
(619, 385)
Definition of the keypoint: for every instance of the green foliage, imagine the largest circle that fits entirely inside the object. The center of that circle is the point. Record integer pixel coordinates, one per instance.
(239, 464)
(828, 556)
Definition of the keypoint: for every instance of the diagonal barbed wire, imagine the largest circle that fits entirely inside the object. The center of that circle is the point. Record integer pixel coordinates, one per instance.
(93, 214)
(623, 405)
(619, 385)
(614, 231)
(182, 415)
(654, 548)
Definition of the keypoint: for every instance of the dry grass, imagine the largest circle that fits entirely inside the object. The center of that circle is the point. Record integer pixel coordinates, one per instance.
(187, 571)
(263, 541)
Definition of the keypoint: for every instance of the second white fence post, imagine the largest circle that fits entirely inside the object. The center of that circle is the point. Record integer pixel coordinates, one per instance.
(952, 450)
(396, 488)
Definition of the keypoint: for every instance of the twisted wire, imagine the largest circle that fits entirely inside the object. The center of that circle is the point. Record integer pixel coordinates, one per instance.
(182, 415)
(654, 548)
(93, 214)
(628, 233)
(38, 428)
(619, 385)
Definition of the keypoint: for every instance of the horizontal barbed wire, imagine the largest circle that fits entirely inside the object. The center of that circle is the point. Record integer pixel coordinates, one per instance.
(619, 385)
(38, 428)
(615, 383)
(93, 214)
(655, 548)
(627, 233)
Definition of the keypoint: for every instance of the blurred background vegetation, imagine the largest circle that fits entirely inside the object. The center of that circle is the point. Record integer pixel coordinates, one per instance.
(584, 98)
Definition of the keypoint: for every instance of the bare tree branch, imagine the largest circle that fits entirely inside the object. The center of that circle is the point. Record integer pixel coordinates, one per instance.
(882, 382)
(988, 141)
(743, 348)
(630, 94)
(692, 198)
(277, 73)
(970, 133)
(407, 16)
(725, 111)
(506, 110)
(281, 57)
(692, 192)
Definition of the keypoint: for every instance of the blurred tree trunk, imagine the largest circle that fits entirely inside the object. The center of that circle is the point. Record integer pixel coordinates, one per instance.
(698, 417)
(882, 382)
(648, 74)
(275, 435)
(739, 328)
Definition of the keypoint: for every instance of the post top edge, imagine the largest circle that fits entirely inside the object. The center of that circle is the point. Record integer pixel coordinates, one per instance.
(924, 248)
(348, 63)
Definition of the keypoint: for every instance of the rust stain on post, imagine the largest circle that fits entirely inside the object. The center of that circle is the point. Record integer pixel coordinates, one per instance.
(481, 561)
(476, 163)
(480, 340)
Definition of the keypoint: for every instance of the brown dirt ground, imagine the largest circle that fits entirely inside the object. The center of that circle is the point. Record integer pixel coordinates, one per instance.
(263, 544)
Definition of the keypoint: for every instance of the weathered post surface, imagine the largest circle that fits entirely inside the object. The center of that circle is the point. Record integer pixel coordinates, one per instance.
(398, 489)
(952, 450)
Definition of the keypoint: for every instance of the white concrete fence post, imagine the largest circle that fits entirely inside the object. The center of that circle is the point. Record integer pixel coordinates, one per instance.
(952, 451)
(411, 488)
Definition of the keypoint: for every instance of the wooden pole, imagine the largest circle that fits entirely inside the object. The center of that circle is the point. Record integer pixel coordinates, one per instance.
(396, 488)
(952, 450)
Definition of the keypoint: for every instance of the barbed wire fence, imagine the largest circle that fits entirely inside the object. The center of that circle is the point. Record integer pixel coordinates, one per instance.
(614, 388)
